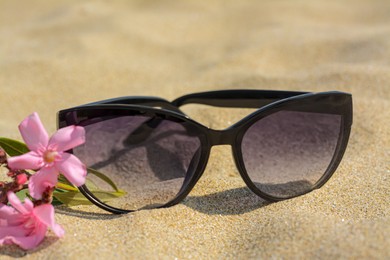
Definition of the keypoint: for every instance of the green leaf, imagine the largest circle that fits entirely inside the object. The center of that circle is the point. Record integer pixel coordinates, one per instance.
(61, 178)
(23, 194)
(103, 177)
(69, 195)
(13, 147)
(65, 183)
(56, 202)
(73, 198)
(91, 185)
(67, 187)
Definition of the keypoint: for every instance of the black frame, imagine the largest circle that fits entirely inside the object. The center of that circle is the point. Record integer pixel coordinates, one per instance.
(266, 101)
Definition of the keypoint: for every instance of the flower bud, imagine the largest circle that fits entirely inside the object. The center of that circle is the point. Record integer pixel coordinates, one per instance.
(21, 178)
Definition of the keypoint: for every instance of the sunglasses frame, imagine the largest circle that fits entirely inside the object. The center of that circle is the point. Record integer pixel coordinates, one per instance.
(267, 102)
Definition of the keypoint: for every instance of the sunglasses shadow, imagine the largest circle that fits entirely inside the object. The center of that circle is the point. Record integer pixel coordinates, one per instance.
(230, 202)
(85, 214)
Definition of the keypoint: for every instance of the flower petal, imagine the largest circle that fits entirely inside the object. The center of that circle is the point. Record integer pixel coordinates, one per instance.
(33, 132)
(72, 168)
(15, 202)
(30, 160)
(67, 138)
(45, 214)
(9, 216)
(27, 242)
(46, 177)
(28, 205)
(13, 231)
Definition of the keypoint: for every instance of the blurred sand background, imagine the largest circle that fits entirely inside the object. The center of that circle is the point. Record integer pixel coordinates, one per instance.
(58, 54)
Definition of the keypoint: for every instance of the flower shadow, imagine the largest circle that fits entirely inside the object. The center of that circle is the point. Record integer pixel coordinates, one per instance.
(17, 252)
(230, 202)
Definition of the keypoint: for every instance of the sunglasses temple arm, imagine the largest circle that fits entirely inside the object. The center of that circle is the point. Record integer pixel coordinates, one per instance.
(235, 98)
(139, 100)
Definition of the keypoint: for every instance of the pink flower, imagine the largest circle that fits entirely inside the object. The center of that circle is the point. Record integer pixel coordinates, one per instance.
(48, 156)
(25, 225)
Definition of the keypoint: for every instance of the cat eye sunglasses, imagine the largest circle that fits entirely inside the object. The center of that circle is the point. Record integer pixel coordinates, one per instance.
(155, 153)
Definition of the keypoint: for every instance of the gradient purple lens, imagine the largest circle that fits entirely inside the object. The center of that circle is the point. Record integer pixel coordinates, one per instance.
(146, 157)
(286, 153)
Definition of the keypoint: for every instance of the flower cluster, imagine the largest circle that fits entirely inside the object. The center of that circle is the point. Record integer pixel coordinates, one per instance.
(25, 224)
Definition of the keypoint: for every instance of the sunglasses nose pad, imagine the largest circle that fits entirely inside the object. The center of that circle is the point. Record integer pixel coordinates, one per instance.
(191, 169)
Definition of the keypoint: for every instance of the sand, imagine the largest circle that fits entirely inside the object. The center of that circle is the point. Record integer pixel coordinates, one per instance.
(58, 54)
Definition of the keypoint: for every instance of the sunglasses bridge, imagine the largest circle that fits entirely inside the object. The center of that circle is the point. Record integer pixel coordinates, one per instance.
(221, 137)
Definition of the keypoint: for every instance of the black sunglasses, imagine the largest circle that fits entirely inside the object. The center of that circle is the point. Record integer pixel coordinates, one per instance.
(289, 146)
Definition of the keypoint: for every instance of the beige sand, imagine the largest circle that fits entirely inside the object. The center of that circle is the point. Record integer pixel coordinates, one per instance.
(57, 54)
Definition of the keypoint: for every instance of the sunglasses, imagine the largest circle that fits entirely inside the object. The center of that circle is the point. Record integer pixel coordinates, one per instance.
(149, 148)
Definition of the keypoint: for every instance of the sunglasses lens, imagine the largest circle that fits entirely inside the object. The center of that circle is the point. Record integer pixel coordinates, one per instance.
(147, 158)
(286, 153)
